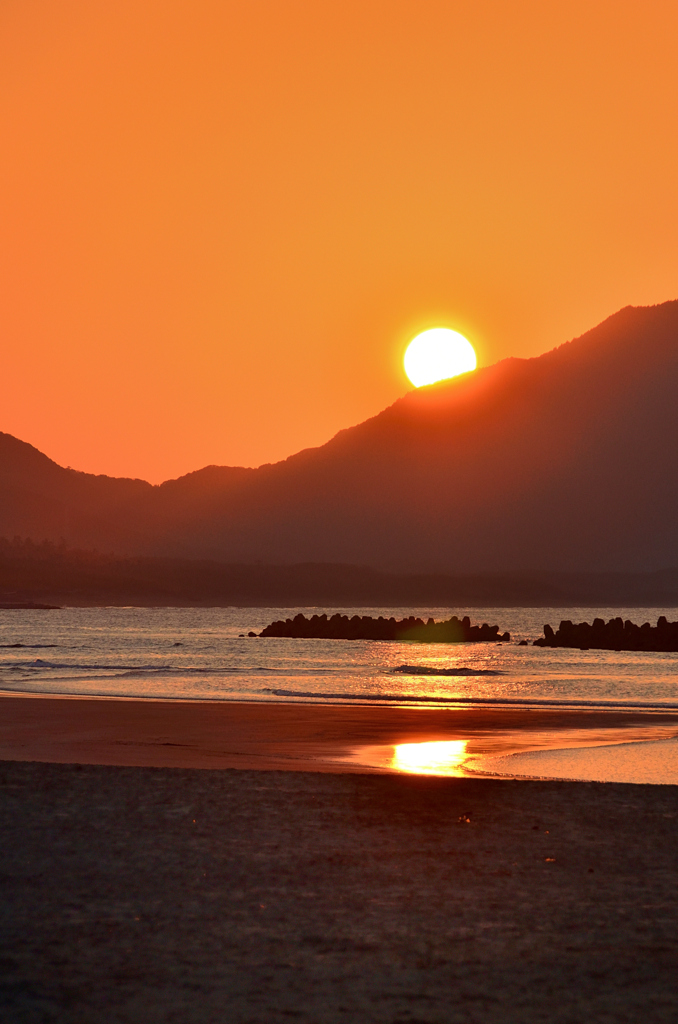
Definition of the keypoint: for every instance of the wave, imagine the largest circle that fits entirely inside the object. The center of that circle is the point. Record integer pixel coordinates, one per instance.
(54, 665)
(425, 670)
(521, 702)
(534, 704)
(132, 673)
(170, 670)
(27, 647)
(240, 670)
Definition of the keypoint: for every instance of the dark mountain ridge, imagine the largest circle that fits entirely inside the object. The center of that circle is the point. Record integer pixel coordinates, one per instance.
(564, 462)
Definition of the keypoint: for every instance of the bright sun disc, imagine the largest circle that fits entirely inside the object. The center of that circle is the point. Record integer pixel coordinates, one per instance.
(437, 355)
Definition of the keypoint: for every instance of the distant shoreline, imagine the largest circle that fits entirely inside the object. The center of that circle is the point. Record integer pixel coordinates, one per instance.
(327, 605)
(48, 574)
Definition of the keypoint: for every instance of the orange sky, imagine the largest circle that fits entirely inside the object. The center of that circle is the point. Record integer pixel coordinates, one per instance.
(220, 222)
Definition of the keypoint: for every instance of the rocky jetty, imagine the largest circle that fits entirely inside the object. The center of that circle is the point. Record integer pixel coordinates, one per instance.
(615, 635)
(341, 627)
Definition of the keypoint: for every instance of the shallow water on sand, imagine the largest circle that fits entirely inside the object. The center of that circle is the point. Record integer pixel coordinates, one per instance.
(637, 753)
(646, 761)
(200, 654)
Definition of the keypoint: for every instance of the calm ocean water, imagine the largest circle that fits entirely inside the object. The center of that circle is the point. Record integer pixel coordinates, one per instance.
(198, 654)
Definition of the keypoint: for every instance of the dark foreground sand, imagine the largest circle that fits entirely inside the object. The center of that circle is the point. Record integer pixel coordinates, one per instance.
(143, 895)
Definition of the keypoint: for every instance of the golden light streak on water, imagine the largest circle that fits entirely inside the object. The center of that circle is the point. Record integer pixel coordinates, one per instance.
(440, 757)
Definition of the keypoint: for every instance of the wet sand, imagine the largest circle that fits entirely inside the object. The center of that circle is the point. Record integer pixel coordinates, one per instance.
(308, 737)
(145, 895)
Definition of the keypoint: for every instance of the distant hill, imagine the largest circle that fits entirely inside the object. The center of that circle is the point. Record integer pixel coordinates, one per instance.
(566, 462)
(56, 575)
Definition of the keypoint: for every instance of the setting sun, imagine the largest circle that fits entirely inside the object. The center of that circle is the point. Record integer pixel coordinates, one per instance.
(437, 355)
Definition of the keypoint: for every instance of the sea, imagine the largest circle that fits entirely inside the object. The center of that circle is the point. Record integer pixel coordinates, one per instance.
(206, 654)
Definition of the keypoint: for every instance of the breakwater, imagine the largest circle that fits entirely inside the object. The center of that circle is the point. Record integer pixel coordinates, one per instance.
(615, 635)
(365, 627)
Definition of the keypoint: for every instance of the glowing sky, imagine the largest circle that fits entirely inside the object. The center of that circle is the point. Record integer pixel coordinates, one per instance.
(221, 222)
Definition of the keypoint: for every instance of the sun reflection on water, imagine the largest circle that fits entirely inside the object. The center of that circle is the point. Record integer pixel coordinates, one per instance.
(441, 757)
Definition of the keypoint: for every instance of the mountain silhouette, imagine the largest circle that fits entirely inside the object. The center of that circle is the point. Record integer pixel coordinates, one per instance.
(562, 462)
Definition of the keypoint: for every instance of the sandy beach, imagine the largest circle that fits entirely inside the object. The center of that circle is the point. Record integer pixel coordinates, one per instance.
(170, 895)
(157, 892)
(291, 737)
